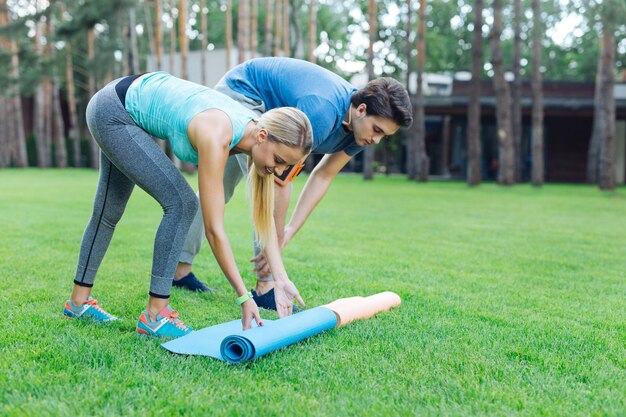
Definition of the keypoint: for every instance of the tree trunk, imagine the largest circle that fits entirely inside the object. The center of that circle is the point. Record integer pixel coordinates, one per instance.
(133, 59)
(296, 32)
(506, 171)
(312, 38)
(517, 92)
(537, 88)
(422, 161)
(173, 71)
(155, 38)
(18, 136)
(269, 12)
(229, 34)
(411, 137)
(182, 37)
(71, 106)
(39, 128)
(70, 97)
(95, 150)
(150, 31)
(172, 39)
(372, 11)
(6, 118)
(598, 128)
(47, 111)
(473, 112)
(285, 24)
(58, 127)
(47, 83)
(56, 116)
(608, 143)
(254, 27)
(39, 106)
(278, 26)
(183, 12)
(204, 34)
(445, 146)
(5, 112)
(125, 33)
(158, 34)
(14, 140)
(408, 44)
(243, 29)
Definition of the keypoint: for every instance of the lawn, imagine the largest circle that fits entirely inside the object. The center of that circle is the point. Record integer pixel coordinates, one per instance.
(514, 303)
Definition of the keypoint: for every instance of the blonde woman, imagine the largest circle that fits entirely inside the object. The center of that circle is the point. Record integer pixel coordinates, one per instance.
(204, 127)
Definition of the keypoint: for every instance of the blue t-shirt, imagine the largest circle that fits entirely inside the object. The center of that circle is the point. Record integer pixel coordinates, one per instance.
(163, 106)
(322, 95)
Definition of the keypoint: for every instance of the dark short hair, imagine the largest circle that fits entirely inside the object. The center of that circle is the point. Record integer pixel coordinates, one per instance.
(385, 97)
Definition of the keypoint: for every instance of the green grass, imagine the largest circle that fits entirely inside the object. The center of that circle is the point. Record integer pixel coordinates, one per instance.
(514, 303)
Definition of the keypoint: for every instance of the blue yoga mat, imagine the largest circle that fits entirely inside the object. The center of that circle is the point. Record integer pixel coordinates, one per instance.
(229, 343)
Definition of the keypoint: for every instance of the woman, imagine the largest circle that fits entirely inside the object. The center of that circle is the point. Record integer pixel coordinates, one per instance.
(204, 127)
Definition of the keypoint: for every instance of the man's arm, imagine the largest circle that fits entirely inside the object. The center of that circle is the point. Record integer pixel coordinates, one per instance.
(312, 193)
(314, 190)
(282, 197)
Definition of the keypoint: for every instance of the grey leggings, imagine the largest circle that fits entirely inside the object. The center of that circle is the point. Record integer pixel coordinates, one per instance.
(129, 156)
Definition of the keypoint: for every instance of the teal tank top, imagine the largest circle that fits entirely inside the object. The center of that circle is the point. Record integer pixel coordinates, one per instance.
(163, 106)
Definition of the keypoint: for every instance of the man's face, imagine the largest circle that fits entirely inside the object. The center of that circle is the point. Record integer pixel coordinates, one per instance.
(370, 130)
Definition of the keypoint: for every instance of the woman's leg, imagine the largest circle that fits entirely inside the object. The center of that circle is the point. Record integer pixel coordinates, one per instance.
(114, 190)
(140, 160)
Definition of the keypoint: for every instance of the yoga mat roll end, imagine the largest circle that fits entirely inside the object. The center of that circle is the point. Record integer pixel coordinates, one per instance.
(350, 309)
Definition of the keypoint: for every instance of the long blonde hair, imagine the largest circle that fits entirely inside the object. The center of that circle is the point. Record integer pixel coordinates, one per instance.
(291, 127)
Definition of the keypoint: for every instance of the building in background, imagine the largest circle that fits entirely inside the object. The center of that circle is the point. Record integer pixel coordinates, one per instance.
(568, 121)
(215, 65)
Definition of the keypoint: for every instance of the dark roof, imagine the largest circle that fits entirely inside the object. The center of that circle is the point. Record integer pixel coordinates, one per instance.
(573, 98)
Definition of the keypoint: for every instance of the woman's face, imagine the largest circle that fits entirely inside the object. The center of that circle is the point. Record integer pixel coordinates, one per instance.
(271, 157)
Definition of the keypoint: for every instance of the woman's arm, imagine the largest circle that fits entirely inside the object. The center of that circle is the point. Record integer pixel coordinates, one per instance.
(211, 133)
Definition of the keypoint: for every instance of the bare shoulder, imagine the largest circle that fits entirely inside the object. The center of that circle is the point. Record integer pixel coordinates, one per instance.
(211, 128)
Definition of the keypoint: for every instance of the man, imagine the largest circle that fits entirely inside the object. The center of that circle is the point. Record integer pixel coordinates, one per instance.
(345, 120)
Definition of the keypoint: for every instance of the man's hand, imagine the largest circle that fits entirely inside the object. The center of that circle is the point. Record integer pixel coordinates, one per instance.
(261, 267)
(287, 235)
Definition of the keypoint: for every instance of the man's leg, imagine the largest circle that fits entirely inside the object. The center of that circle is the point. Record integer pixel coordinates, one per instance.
(234, 171)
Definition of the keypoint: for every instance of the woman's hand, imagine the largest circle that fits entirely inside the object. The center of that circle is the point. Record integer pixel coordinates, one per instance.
(250, 311)
(284, 293)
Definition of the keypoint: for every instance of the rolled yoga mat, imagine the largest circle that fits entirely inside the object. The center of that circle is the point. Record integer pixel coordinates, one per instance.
(229, 343)
(360, 308)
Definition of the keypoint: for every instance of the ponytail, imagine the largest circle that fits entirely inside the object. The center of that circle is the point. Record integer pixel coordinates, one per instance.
(291, 127)
(262, 192)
